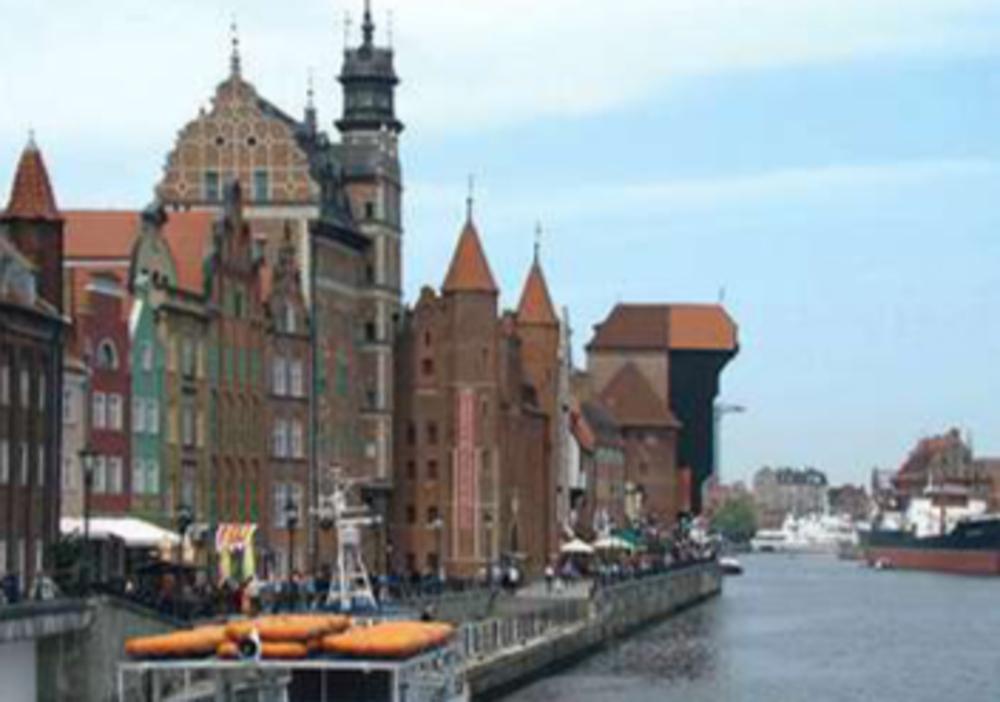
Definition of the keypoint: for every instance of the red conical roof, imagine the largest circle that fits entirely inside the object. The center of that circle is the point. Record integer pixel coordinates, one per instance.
(31, 197)
(536, 304)
(469, 270)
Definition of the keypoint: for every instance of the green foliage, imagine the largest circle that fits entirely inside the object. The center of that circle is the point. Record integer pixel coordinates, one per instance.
(736, 520)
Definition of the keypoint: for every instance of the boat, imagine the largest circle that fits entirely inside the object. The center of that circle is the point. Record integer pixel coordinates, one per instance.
(730, 566)
(810, 533)
(945, 529)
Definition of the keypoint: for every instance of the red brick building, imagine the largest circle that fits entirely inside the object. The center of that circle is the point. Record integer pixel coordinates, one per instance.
(31, 351)
(473, 442)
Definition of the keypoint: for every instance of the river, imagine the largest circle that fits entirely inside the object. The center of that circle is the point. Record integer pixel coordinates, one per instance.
(806, 629)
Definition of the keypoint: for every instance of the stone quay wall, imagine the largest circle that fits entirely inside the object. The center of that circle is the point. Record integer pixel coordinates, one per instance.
(504, 654)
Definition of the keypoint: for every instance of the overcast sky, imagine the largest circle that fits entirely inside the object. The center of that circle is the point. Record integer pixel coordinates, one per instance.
(832, 165)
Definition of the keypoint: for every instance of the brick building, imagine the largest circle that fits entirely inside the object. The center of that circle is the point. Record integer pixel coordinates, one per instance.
(779, 492)
(31, 361)
(680, 351)
(473, 441)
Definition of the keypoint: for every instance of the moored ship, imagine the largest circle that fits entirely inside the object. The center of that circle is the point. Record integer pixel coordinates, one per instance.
(945, 530)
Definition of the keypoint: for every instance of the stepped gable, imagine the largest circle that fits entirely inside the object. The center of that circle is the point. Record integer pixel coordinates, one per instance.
(633, 402)
(536, 304)
(687, 327)
(469, 270)
(31, 196)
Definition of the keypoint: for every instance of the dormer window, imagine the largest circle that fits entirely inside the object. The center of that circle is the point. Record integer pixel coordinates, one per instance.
(212, 191)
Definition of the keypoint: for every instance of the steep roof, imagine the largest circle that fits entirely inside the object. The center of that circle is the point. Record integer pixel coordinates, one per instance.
(469, 270)
(536, 304)
(666, 327)
(633, 402)
(31, 196)
(188, 234)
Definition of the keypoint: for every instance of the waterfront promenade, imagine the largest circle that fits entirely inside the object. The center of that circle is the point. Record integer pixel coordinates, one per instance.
(804, 629)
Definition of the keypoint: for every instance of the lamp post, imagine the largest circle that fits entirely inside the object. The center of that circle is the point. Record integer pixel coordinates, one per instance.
(438, 527)
(87, 455)
(185, 516)
(291, 523)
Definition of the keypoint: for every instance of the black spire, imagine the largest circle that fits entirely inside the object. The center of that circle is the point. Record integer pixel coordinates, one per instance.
(368, 26)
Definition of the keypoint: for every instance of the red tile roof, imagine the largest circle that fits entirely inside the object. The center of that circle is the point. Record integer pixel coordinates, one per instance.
(32, 197)
(666, 327)
(536, 304)
(469, 270)
(188, 235)
(100, 234)
(633, 402)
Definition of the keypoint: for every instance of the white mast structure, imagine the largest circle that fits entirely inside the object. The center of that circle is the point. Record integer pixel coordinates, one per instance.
(352, 586)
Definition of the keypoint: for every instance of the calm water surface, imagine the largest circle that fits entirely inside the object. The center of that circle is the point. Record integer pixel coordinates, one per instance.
(807, 629)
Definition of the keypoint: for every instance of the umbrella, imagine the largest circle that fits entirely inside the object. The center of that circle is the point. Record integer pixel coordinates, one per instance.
(577, 547)
(613, 543)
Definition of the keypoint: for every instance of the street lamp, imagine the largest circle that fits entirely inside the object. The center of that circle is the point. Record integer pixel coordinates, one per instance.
(185, 517)
(291, 523)
(87, 456)
(438, 526)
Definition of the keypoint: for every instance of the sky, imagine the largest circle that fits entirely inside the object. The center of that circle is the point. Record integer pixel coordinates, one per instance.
(828, 168)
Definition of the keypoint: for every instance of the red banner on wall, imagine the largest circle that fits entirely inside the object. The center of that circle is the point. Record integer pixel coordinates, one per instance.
(466, 482)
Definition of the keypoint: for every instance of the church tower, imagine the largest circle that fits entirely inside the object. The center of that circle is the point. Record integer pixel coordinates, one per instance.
(373, 180)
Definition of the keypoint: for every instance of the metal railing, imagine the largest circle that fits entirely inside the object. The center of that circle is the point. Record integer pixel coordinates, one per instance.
(485, 639)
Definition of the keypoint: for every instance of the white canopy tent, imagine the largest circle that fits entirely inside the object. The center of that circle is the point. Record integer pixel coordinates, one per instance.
(136, 533)
(577, 547)
(613, 543)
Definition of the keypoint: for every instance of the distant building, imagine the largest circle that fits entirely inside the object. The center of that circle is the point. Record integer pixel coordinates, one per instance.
(851, 500)
(779, 492)
(31, 369)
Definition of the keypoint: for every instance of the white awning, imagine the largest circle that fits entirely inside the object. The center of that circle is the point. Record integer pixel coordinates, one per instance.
(136, 533)
(577, 547)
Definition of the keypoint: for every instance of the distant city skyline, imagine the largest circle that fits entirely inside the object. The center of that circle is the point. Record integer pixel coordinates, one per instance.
(831, 166)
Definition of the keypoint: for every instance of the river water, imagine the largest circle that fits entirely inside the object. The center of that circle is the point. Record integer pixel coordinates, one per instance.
(806, 629)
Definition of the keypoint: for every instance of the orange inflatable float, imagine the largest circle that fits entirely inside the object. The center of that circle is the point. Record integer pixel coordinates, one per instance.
(292, 627)
(388, 640)
(269, 650)
(195, 643)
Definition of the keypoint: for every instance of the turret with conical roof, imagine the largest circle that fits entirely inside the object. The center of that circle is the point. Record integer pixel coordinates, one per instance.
(34, 223)
(469, 270)
(536, 305)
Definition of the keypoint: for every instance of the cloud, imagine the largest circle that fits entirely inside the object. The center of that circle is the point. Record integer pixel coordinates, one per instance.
(134, 71)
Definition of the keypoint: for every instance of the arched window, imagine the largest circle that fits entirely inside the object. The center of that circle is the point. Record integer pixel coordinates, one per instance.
(107, 356)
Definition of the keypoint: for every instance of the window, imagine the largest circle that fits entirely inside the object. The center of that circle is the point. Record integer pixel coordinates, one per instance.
(411, 514)
(138, 415)
(25, 388)
(138, 476)
(427, 366)
(3, 555)
(115, 475)
(4, 461)
(411, 470)
(370, 331)
(298, 445)
(432, 433)
(114, 412)
(107, 356)
(212, 186)
(152, 477)
(41, 465)
(24, 463)
(99, 417)
(369, 210)
(295, 379)
(4, 385)
(280, 438)
(188, 437)
(432, 470)
(146, 355)
(100, 474)
(39, 556)
(187, 357)
(153, 416)
(41, 391)
(261, 186)
(67, 472)
(432, 515)
(290, 320)
(411, 434)
(279, 378)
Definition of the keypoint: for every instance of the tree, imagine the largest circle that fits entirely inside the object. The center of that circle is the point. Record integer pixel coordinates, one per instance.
(736, 519)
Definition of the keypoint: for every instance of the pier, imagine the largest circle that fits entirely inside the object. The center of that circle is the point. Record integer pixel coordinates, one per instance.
(512, 649)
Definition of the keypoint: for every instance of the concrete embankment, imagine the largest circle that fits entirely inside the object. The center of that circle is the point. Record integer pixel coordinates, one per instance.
(507, 653)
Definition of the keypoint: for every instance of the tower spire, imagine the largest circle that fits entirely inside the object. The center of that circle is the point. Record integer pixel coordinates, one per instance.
(470, 198)
(538, 240)
(368, 27)
(234, 57)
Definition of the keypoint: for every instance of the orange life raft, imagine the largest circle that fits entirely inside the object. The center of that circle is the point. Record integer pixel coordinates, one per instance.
(194, 643)
(388, 640)
(292, 627)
